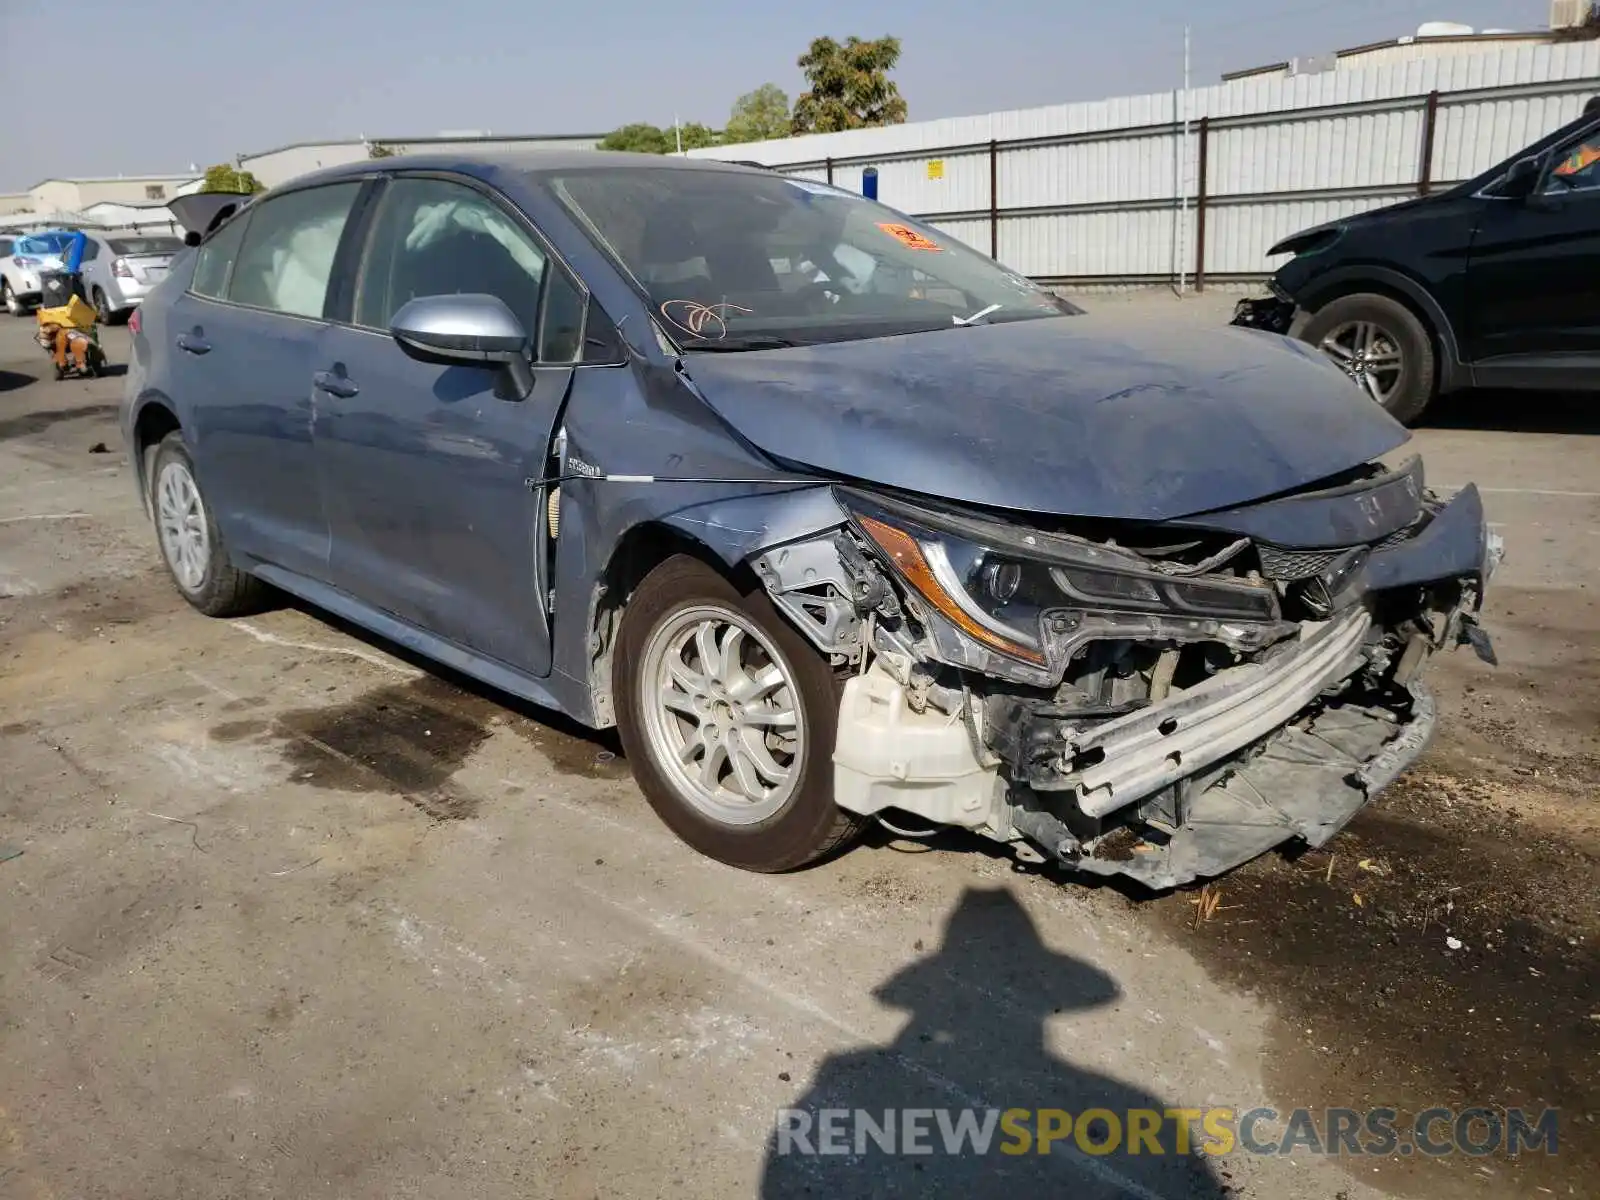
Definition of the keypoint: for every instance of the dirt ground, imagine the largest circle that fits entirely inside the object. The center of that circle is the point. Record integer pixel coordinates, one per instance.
(295, 915)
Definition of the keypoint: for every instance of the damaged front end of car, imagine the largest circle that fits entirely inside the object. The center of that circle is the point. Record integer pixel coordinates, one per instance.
(1161, 700)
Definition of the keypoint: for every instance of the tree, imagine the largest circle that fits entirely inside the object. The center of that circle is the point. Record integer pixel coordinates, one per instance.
(850, 86)
(225, 177)
(640, 138)
(643, 138)
(758, 116)
(695, 136)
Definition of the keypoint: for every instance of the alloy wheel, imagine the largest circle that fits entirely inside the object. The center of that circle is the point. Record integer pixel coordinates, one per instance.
(722, 715)
(13, 305)
(181, 520)
(1368, 354)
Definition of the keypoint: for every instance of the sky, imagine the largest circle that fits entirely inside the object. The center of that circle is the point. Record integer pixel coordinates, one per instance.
(156, 85)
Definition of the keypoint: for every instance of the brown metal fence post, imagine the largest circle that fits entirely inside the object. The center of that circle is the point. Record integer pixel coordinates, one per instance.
(1201, 192)
(994, 199)
(1430, 118)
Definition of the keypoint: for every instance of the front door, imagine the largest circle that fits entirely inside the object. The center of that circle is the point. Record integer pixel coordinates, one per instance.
(245, 336)
(425, 468)
(1531, 277)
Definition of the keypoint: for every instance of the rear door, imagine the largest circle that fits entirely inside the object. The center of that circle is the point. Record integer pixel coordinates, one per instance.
(1533, 302)
(424, 467)
(245, 338)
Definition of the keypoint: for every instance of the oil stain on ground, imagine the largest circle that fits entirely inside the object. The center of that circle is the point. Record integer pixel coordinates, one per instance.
(1439, 952)
(410, 738)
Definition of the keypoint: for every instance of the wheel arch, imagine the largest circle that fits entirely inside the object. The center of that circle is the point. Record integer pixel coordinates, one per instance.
(1454, 372)
(640, 550)
(153, 419)
(725, 534)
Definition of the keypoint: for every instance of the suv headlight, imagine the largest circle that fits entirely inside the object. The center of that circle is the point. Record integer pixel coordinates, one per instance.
(997, 584)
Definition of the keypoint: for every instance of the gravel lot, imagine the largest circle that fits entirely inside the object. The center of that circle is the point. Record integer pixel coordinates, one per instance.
(297, 916)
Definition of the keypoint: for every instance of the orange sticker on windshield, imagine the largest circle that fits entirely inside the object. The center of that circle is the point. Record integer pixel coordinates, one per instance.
(908, 236)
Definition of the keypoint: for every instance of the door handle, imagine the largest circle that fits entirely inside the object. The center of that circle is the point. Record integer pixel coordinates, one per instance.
(335, 385)
(193, 343)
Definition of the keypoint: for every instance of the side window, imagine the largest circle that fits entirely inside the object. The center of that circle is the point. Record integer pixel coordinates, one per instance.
(287, 256)
(1577, 166)
(216, 255)
(91, 250)
(438, 238)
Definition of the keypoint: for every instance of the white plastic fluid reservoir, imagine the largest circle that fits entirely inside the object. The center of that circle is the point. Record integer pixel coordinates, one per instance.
(887, 756)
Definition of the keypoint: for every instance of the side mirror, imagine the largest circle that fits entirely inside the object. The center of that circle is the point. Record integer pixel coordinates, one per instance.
(1519, 182)
(467, 329)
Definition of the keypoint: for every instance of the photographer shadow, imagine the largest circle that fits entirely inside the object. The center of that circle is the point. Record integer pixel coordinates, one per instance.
(975, 1041)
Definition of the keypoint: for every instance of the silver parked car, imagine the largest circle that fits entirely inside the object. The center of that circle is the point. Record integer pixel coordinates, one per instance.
(119, 269)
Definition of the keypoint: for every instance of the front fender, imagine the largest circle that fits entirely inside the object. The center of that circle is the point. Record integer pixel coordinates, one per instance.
(737, 528)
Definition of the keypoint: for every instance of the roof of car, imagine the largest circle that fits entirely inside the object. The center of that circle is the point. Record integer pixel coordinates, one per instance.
(529, 162)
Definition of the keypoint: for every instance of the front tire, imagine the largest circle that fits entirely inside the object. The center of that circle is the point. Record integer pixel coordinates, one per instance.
(1382, 346)
(13, 306)
(191, 545)
(728, 718)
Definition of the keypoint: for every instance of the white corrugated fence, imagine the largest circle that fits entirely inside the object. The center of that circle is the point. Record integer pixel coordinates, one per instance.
(1094, 193)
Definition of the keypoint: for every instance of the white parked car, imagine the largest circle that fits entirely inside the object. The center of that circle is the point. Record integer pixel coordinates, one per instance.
(25, 255)
(119, 269)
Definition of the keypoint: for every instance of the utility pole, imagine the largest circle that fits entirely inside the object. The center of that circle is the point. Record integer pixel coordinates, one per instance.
(1183, 176)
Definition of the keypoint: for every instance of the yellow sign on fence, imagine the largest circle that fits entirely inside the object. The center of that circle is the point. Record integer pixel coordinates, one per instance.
(936, 168)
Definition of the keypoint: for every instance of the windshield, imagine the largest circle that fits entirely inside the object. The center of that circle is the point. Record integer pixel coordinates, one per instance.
(133, 247)
(732, 260)
(43, 243)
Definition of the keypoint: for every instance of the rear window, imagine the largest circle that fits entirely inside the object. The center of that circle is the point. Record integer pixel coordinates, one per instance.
(132, 247)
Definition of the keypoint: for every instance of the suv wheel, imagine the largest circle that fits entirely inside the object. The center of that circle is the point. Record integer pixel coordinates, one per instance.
(190, 544)
(102, 307)
(1381, 345)
(13, 306)
(728, 718)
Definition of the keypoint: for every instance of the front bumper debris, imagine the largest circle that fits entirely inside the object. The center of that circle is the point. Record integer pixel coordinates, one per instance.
(1268, 313)
(1148, 743)
(1306, 781)
(1154, 747)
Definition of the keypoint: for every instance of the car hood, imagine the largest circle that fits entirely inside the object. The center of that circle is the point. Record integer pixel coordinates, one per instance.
(1073, 416)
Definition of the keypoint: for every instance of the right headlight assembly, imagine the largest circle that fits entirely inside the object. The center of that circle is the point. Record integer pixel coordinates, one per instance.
(997, 584)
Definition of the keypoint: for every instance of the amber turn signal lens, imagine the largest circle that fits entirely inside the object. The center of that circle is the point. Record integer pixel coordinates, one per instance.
(908, 559)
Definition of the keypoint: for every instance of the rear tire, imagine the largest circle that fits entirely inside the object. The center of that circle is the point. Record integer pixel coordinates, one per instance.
(1383, 346)
(191, 545)
(713, 684)
(102, 307)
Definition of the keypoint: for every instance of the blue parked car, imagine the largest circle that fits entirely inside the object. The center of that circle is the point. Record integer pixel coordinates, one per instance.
(836, 519)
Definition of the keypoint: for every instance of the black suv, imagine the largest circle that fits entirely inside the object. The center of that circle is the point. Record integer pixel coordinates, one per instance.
(1493, 283)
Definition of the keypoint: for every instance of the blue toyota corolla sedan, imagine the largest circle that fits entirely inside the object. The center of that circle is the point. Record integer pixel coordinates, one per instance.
(836, 519)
